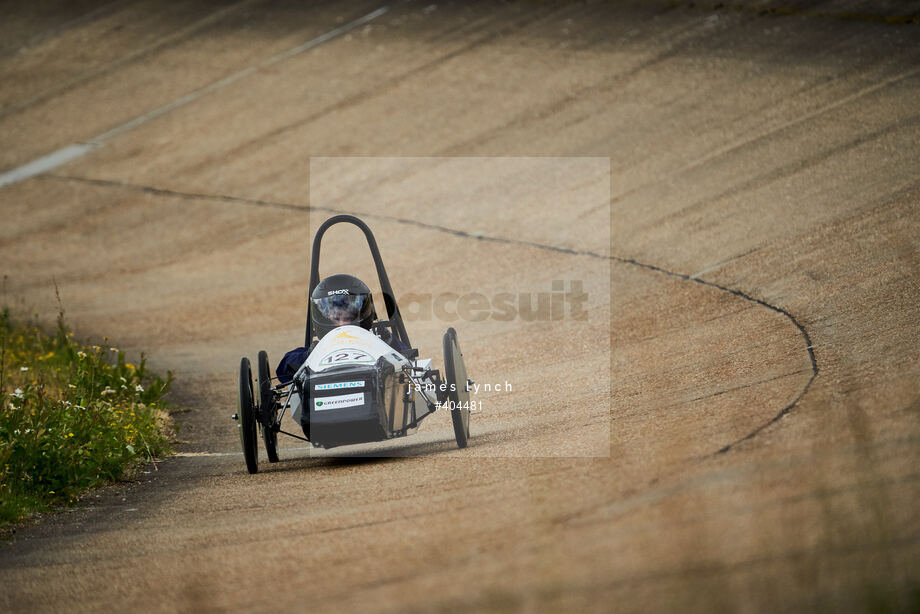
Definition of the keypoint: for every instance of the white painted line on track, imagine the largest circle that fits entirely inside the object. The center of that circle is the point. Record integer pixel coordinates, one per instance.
(175, 36)
(200, 454)
(62, 156)
(710, 269)
(45, 163)
(207, 454)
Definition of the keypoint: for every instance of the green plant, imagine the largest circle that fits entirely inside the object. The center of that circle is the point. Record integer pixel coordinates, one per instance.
(72, 416)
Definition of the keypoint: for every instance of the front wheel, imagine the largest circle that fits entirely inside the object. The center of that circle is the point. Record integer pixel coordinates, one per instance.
(457, 393)
(267, 409)
(247, 418)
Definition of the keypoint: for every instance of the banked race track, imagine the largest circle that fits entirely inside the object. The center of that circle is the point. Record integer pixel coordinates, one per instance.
(733, 425)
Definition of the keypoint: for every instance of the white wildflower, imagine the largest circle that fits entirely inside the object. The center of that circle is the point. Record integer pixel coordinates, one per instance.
(23, 368)
(17, 393)
(81, 354)
(107, 391)
(139, 388)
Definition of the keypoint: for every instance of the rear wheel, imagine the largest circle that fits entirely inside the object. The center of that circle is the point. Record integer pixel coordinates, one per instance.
(268, 409)
(247, 418)
(457, 394)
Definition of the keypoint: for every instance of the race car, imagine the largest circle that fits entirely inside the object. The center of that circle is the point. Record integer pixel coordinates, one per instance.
(360, 382)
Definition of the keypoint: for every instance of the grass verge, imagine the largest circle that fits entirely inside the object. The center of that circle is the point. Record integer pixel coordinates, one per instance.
(72, 417)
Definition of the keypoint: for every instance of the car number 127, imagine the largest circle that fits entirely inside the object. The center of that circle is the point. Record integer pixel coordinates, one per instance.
(349, 355)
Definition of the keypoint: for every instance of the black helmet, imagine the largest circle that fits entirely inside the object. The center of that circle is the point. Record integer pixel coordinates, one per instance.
(340, 300)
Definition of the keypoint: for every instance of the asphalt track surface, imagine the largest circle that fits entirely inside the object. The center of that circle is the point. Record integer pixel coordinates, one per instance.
(761, 440)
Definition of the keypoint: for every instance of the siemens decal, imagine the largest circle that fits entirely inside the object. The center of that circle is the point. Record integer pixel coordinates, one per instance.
(339, 385)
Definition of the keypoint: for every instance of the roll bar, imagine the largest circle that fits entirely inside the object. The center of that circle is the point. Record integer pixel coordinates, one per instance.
(389, 298)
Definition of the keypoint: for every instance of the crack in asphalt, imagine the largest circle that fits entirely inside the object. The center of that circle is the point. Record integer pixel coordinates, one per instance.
(809, 347)
(741, 294)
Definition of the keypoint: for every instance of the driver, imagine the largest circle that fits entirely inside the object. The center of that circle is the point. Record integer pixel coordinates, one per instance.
(337, 300)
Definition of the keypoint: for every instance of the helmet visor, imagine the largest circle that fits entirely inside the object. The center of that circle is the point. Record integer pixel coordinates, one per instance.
(341, 309)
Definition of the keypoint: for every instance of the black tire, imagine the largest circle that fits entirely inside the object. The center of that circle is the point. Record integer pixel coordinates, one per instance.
(457, 394)
(267, 409)
(247, 418)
